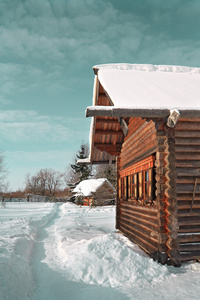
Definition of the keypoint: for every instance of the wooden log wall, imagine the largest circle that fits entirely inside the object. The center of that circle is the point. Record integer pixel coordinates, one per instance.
(187, 145)
(171, 199)
(139, 143)
(161, 170)
(138, 222)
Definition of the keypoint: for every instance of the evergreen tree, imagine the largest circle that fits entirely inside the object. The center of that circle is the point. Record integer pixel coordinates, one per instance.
(107, 171)
(83, 170)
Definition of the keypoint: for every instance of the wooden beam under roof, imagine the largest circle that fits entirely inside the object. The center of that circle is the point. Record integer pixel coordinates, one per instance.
(110, 148)
(111, 111)
(108, 121)
(109, 132)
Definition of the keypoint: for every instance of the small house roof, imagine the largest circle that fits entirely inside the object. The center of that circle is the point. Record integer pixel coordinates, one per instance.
(89, 186)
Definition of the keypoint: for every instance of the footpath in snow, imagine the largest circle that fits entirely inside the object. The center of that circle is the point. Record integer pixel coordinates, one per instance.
(62, 251)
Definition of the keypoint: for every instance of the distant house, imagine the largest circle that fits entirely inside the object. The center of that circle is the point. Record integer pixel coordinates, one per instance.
(95, 191)
(146, 118)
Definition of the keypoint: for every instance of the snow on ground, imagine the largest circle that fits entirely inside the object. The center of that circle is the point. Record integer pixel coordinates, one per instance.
(19, 225)
(63, 251)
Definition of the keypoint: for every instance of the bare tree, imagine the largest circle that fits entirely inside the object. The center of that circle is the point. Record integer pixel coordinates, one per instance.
(3, 173)
(44, 182)
(53, 181)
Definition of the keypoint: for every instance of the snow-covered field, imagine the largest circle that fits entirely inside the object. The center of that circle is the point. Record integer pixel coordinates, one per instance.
(62, 251)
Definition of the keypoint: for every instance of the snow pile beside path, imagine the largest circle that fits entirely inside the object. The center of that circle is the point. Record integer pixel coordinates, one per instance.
(107, 261)
(19, 225)
(88, 249)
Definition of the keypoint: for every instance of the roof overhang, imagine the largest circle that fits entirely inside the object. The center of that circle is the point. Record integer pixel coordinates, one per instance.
(142, 91)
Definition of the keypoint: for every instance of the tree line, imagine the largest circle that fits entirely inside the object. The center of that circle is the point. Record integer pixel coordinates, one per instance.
(49, 182)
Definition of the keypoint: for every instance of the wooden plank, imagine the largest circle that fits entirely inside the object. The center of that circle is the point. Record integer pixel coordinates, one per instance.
(194, 191)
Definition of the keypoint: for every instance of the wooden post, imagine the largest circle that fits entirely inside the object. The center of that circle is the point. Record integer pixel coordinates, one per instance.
(118, 165)
(171, 198)
(195, 186)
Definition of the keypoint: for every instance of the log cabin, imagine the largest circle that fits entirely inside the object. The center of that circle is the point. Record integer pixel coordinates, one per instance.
(94, 192)
(146, 119)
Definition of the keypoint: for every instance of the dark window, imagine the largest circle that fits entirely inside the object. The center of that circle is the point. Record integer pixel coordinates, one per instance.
(146, 184)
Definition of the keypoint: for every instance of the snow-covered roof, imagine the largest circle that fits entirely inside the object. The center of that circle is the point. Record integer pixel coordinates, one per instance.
(151, 86)
(89, 186)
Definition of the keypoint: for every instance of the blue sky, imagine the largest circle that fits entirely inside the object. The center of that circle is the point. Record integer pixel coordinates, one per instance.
(47, 50)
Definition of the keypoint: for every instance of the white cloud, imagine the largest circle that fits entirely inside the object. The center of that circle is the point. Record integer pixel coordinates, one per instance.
(24, 126)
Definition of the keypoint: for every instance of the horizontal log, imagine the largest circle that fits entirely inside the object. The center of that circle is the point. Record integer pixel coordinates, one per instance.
(140, 156)
(186, 180)
(190, 256)
(189, 119)
(187, 156)
(146, 141)
(187, 164)
(187, 126)
(149, 230)
(187, 141)
(140, 234)
(147, 246)
(189, 223)
(187, 188)
(183, 198)
(189, 238)
(137, 218)
(189, 247)
(187, 148)
(188, 171)
(187, 213)
(146, 211)
(189, 229)
(188, 206)
(187, 133)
